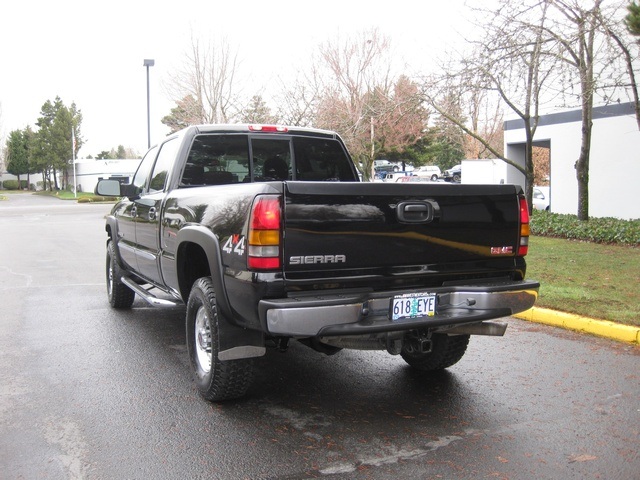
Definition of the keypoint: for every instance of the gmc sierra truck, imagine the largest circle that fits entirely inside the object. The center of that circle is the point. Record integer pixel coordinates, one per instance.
(267, 236)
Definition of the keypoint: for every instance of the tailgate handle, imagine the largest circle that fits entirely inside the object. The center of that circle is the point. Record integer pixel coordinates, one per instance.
(417, 211)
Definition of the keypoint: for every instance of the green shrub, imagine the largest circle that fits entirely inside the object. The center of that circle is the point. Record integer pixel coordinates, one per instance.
(598, 230)
(10, 184)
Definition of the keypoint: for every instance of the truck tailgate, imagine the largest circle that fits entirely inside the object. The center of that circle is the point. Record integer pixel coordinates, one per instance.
(363, 229)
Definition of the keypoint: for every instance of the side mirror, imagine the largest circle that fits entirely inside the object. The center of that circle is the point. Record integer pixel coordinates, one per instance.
(113, 188)
(108, 188)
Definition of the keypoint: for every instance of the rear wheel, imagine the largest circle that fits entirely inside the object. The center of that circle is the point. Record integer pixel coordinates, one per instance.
(216, 380)
(446, 350)
(120, 296)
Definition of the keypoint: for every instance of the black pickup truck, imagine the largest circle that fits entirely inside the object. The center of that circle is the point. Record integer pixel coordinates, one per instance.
(267, 235)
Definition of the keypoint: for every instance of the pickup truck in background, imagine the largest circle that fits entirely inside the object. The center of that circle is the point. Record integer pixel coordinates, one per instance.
(267, 236)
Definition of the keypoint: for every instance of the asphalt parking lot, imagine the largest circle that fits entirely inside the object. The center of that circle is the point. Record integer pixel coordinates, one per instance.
(92, 393)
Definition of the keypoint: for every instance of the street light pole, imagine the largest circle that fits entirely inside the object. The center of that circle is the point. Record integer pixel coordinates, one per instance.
(148, 63)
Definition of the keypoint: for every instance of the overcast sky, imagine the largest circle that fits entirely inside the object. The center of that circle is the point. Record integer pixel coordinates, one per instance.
(92, 53)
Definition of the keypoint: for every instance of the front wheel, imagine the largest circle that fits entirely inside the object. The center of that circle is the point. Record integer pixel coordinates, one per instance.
(216, 380)
(446, 350)
(120, 296)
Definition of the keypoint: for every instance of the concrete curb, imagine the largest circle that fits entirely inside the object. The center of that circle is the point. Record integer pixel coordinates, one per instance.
(601, 328)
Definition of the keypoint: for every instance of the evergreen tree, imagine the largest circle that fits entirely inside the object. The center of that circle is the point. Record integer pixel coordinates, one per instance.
(18, 153)
(187, 111)
(632, 20)
(54, 139)
(256, 112)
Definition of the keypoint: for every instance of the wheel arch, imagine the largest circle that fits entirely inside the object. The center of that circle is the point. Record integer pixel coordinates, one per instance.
(198, 255)
(111, 227)
(200, 243)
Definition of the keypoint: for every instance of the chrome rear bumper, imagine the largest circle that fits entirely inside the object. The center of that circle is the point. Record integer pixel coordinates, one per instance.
(358, 313)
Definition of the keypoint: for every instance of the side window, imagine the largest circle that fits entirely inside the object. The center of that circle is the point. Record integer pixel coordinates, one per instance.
(166, 158)
(216, 160)
(142, 174)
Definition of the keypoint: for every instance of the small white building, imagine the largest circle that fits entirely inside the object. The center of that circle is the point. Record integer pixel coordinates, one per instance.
(614, 164)
(89, 171)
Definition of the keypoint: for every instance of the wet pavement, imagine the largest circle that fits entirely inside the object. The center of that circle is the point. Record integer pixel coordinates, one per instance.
(91, 392)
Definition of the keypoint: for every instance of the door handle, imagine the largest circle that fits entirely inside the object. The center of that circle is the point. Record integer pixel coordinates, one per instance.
(152, 213)
(134, 210)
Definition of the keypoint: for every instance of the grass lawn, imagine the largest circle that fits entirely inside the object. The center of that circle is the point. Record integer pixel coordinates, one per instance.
(82, 197)
(594, 280)
(67, 195)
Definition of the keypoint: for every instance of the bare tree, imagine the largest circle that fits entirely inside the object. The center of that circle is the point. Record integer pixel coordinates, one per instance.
(506, 67)
(620, 34)
(206, 88)
(362, 99)
(575, 35)
(356, 69)
(298, 102)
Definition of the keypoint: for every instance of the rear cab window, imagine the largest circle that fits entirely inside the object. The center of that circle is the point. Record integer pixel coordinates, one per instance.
(216, 159)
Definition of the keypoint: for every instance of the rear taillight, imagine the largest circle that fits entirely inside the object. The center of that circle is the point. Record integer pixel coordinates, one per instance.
(264, 234)
(523, 248)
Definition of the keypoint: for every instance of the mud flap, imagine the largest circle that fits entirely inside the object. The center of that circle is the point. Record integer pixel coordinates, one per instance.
(238, 342)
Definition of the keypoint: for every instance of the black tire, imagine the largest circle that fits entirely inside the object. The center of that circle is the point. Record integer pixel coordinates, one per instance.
(434, 178)
(457, 178)
(445, 351)
(120, 296)
(216, 380)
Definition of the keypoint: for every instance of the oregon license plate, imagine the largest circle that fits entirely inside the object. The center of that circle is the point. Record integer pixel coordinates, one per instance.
(413, 305)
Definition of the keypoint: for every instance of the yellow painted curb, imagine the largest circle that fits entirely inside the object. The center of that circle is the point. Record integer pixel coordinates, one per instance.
(602, 328)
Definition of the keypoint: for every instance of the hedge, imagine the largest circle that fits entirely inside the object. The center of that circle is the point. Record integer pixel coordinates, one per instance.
(598, 230)
(13, 184)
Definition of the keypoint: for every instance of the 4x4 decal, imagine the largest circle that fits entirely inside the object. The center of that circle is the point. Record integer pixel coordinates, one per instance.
(235, 244)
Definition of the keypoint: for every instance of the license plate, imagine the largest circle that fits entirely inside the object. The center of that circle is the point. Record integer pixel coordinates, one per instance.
(413, 305)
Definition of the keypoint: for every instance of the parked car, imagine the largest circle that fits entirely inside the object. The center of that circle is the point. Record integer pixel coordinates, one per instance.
(453, 174)
(430, 171)
(384, 166)
(541, 198)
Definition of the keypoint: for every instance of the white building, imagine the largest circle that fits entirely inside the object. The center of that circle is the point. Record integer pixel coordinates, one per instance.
(614, 164)
(88, 172)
